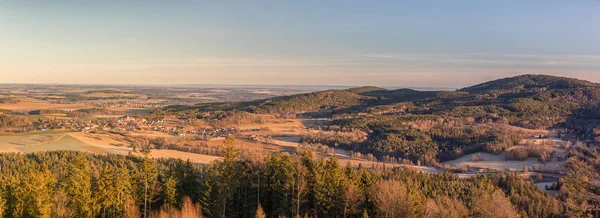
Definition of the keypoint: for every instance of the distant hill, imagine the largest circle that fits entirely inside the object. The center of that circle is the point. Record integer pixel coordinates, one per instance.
(331, 99)
(400, 94)
(416, 124)
(365, 89)
(532, 101)
(527, 82)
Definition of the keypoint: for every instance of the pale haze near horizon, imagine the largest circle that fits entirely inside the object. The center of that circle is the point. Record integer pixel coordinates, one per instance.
(386, 43)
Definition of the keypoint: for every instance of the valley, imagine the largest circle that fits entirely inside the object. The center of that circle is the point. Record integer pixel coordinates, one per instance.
(529, 129)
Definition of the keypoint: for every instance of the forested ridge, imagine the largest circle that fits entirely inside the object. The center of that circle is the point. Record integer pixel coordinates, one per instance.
(74, 184)
(439, 125)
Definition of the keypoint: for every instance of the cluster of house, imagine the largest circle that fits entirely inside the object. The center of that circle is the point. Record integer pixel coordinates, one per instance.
(128, 104)
(127, 124)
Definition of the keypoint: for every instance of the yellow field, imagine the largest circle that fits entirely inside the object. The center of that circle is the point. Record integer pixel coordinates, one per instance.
(98, 139)
(257, 146)
(149, 134)
(26, 103)
(287, 126)
(105, 116)
(196, 158)
(282, 126)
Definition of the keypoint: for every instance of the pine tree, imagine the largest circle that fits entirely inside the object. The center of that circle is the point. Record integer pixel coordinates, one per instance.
(2, 204)
(301, 187)
(78, 187)
(149, 187)
(330, 188)
(280, 178)
(206, 200)
(105, 192)
(125, 189)
(228, 173)
(170, 192)
(38, 186)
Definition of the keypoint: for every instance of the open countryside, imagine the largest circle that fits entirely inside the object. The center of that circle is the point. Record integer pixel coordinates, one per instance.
(299, 109)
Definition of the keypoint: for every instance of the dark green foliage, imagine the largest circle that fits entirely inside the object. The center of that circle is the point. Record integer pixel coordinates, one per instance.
(527, 82)
(365, 89)
(73, 184)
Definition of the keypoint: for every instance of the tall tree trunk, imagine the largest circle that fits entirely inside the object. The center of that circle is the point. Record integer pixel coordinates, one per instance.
(145, 197)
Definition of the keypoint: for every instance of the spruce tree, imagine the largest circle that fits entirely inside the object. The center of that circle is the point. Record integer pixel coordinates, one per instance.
(78, 187)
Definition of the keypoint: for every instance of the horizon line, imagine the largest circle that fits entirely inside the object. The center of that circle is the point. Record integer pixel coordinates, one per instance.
(187, 85)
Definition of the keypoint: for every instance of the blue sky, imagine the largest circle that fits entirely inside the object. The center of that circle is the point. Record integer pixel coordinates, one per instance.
(389, 43)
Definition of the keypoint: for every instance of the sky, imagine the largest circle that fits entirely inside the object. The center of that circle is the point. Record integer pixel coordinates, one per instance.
(386, 43)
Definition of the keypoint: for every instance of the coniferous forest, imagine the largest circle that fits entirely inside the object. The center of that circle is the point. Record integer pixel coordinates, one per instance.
(75, 184)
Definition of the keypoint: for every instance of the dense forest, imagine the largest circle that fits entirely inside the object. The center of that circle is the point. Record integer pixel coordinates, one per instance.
(74, 184)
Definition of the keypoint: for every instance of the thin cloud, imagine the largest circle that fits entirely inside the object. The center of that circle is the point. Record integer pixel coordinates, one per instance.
(487, 58)
(225, 62)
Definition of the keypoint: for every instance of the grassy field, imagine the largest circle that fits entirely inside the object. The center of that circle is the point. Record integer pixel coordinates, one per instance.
(498, 162)
(65, 143)
(285, 126)
(49, 132)
(258, 146)
(76, 141)
(27, 104)
(196, 158)
(149, 134)
(99, 139)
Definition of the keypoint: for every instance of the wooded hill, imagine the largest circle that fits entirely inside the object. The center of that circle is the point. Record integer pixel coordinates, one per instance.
(533, 101)
(419, 125)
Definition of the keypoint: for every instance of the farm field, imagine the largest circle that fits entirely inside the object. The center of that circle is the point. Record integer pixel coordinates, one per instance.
(284, 126)
(27, 104)
(500, 162)
(65, 143)
(496, 162)
(98, 139)
(196, 158)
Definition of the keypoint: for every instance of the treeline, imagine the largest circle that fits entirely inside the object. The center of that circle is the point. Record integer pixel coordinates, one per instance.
(335, 139)
(73, 184)
(22, 123)
(14, 121)
(77, 97)
(580, 189)
(89, 113)
(185, 144)
(419, 137)
(225, 119)
(9, 100)
(47, 111)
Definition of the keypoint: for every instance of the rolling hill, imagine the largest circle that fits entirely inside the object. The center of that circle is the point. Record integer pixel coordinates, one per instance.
(529, 82)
